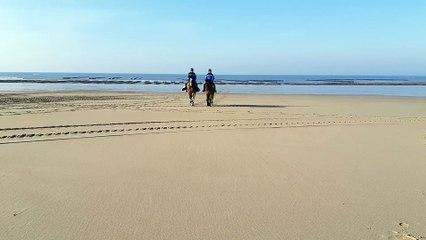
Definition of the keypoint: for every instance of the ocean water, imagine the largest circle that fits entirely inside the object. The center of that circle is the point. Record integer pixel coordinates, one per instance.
(248, 84)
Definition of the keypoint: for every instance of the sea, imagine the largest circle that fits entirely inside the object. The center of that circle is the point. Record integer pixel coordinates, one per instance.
(411, 86)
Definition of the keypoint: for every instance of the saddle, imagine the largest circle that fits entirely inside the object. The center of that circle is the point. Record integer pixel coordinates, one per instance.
(194, 84)
(209, 85)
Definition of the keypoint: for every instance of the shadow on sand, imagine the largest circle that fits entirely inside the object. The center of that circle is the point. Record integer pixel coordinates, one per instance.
(255, 106)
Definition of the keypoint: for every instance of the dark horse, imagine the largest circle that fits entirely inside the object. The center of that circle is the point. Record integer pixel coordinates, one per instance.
(210, 89)
(191, 89)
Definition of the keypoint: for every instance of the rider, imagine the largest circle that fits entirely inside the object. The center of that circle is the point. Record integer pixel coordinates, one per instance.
(210, 79)
(192, 77)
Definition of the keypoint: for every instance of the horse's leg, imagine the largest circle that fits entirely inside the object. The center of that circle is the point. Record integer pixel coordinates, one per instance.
(211, 96)
(191, 98)
(209, 99)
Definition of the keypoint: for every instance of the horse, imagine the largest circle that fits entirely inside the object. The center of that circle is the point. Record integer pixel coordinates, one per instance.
(191, 90)
(209, 93)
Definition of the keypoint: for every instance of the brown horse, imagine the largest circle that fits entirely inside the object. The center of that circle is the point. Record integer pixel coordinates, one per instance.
(210, 90)
(192, 91)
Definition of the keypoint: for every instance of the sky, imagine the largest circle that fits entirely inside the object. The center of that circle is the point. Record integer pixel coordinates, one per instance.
(291, 37)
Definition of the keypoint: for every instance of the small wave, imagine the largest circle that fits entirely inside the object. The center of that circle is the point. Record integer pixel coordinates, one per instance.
(72, 81)
(11, 78)
(253, 82)
(358, 79)
(74, 77)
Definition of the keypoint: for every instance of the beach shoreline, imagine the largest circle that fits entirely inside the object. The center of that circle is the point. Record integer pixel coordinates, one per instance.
(125, 165)
(251, 84)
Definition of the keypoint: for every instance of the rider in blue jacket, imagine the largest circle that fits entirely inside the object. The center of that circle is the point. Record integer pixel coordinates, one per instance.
(209, 79)
(192, 77)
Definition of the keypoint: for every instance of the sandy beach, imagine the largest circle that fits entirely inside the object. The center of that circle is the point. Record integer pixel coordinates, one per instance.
(148, 166)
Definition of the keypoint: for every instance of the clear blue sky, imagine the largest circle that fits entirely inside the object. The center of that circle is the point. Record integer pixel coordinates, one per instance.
(234, 37)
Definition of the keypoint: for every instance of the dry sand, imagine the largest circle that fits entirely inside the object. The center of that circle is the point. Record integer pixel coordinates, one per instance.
(148, 166)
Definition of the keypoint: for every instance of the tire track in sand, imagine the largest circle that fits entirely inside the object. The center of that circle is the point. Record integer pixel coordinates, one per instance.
(75, 131)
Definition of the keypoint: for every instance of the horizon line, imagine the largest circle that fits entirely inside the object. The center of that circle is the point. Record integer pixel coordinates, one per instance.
(236, 74)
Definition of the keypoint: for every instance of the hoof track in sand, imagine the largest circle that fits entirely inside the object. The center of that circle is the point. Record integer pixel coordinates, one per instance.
(404, 233)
